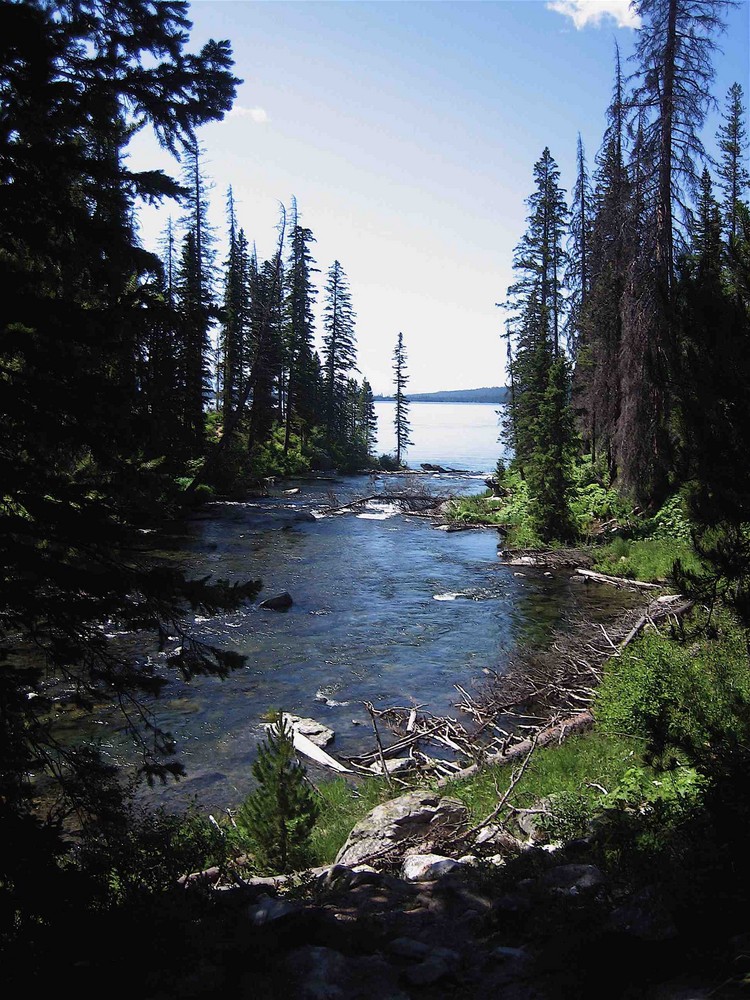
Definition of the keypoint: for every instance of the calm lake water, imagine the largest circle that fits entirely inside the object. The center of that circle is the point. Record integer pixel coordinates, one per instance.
(454, 435)
(387, 609)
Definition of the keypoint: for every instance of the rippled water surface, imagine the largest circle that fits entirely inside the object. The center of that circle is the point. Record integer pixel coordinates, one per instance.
(387, 609)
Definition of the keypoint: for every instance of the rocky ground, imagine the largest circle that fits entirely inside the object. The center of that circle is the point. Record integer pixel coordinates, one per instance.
(416, 907)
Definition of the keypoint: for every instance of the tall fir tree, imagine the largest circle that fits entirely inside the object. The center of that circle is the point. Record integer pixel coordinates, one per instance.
(734, 177)
(401, 413)
(303, 365)
(235, 318)
(540, 422)
(339, 345)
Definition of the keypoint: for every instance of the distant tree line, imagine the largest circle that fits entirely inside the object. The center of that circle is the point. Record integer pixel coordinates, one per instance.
(628, 326)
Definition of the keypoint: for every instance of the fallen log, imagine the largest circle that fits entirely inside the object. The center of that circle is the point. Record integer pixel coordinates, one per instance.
(618, 581)
(579, 723)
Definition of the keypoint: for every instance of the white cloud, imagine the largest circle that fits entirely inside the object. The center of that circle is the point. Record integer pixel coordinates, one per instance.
(258, 115)
(585, 12)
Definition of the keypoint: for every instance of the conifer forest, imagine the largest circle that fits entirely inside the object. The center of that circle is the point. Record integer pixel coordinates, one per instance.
(136, 384)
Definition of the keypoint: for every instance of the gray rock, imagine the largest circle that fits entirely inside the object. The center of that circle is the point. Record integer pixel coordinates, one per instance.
(441, 962)
(326, 974)
(271, 911)
(393, 766)
(304, 516)
(281, 602)
(573, 879)
(420, 814)
(427, 867)
(315, 731)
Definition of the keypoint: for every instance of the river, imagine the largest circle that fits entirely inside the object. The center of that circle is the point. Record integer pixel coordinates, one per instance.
(387, 609)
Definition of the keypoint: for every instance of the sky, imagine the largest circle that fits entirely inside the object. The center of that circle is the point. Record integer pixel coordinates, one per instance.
(407, 130)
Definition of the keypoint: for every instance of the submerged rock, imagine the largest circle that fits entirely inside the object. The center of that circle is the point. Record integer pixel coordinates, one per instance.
(281, 602)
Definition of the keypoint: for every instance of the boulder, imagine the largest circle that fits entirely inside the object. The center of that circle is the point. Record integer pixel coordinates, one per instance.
(281, 602)
(420, 815)
(427, 867)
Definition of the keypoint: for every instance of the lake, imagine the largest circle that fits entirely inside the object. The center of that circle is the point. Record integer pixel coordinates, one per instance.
(454, 435)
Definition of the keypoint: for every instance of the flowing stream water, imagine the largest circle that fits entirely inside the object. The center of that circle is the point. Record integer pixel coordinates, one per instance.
(387, 609)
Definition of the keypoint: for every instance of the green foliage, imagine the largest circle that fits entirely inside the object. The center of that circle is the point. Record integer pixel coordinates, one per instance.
(687, 696)
(276, 819)
(270, 458)
(389, 463)
(340, 807)
(572, 770)
(647, 560)
(138, 851)
(485, 509)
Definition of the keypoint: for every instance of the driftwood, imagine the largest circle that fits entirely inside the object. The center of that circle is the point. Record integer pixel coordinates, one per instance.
(618, 581)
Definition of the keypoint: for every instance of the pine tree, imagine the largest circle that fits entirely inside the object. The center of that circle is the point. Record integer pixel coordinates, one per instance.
(367, 419)
(540, 422)
(401, 415)
(339, 345)
(235, 320)
(733, 172)
(303, 364)
(672, 96)
(81, 311)
(278, 817)
(579, 269)
(597, 378)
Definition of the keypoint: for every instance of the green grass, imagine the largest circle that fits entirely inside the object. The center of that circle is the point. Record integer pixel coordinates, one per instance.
(648, 559)
(341, 806)
(573, 773)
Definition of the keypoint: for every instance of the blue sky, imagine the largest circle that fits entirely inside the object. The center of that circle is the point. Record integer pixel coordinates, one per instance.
(407, 132)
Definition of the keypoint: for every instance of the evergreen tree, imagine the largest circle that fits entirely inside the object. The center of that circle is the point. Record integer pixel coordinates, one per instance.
(401, 415)
(733, 172)
(196, 299)
(235, 321)
(597, 377)
(540, 420)
(279, 815)
(339, 345)
(673, 54)
(303, 364)
(579, 270)
(367, 419)
(82, 309)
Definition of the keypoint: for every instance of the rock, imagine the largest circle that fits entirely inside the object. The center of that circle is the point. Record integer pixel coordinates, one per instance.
(304, 517)
(408, 948)
(281, 602)
(420, 814)
(427, 867)
(393, 766)
(573, 879)
(271, 911)
(441, 962)
(326, 974)
(315, 731)
(644, 916)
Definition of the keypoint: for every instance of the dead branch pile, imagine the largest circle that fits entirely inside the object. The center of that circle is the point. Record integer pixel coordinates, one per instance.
(416, 500)
(541, 698)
